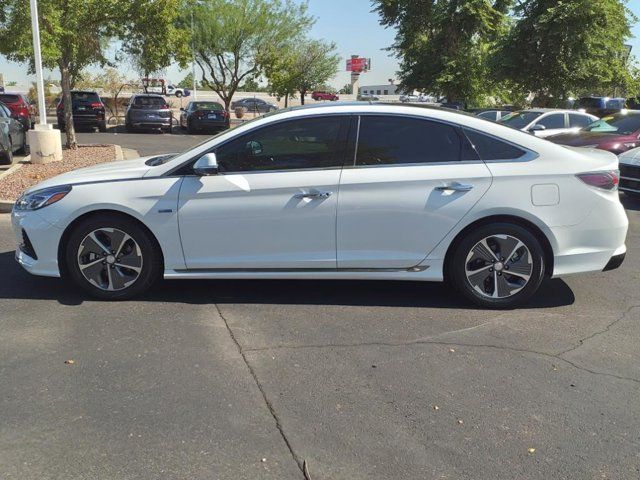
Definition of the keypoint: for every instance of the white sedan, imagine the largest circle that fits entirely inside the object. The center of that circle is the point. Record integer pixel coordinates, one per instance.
(544, 122)
(344, 191)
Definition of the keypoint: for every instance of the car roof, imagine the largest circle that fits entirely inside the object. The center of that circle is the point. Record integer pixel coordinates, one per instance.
(147, 95)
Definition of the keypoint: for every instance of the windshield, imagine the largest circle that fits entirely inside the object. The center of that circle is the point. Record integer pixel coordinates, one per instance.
(519, 119)
(149, 102)
(620, 123)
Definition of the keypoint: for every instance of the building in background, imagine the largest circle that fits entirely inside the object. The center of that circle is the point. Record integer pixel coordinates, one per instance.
(388, 89)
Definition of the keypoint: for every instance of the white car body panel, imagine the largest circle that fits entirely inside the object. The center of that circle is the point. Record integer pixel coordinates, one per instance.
(253, 221)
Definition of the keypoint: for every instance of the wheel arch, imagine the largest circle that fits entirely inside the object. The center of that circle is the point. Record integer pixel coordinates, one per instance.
(64, 239)
(534, 229)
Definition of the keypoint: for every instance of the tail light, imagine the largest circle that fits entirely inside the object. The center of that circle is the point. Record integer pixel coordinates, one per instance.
(608, 180)
(164, 107)
(96, 105)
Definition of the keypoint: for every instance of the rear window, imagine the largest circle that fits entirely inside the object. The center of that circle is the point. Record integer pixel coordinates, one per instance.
(490, 148)
(620, 123)
(149, 101)
(6, 98)
(207, 106)
(89, 97)
(519, 119)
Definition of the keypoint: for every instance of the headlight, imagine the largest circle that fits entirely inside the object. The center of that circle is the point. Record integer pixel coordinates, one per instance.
(41, 198)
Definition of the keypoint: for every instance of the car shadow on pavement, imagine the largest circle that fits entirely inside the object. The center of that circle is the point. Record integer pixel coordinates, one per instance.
(18, 284)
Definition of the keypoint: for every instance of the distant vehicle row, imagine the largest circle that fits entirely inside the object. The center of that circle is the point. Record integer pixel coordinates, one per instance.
(13, 136)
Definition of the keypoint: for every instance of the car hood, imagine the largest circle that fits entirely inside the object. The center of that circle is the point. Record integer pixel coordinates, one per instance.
(103, 172)
(578, 139)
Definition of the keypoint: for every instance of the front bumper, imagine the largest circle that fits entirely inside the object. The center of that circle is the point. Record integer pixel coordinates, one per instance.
(44, 238)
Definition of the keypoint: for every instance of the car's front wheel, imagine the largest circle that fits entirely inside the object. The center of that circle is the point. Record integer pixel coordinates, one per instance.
(112, 257)
(498, 266)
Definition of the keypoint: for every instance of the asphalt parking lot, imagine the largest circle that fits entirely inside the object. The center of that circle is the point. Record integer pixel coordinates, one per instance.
(360, 380)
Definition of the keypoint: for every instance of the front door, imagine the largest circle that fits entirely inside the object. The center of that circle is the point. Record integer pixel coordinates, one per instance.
(413, 180)
(273, 204)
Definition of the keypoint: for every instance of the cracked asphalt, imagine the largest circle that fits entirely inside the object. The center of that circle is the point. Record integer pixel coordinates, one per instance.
(350, 380)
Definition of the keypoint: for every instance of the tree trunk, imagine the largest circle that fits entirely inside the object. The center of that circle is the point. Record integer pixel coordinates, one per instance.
(302, 94)
(286, 100)
(65, 83)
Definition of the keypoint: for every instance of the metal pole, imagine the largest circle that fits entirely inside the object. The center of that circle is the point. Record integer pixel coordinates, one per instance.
(35, 29)
(193, 61)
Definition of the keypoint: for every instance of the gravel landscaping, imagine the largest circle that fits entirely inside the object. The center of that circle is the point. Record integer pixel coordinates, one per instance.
(28, 175)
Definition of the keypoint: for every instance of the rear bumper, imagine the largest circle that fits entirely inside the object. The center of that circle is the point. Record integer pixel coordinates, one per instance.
(202, 124)
(615, 262)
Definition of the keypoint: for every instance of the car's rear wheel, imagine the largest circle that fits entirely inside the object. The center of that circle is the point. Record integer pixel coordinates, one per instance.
(498, 266)
(102, 127)
(7, 156)
(112, 257)
(178, 94)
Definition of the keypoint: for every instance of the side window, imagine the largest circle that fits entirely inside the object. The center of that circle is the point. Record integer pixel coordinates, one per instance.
(490, 148)
(391, 140)
(581, 121)
(488, 115)
(555, 120)
(295, 144)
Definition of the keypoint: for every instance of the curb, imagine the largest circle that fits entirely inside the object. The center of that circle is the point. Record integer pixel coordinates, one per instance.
(7, 205)
(119, 153)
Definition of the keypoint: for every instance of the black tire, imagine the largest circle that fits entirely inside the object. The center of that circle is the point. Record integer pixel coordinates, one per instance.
(151, 260)
(190, 129)
(62, 126)
(129, 128)
(24, 148)
(531, 258)
(6, 157)
(166, 129)
(178, 94)
(102, 127)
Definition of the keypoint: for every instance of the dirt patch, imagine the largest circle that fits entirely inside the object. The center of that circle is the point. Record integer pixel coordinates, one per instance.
(15, 183)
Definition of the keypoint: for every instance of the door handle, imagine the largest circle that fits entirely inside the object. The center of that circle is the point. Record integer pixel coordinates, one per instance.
(313, 195)
(455, 187)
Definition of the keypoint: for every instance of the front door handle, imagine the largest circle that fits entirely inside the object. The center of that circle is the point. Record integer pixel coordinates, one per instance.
(313, 195)
(455, 187)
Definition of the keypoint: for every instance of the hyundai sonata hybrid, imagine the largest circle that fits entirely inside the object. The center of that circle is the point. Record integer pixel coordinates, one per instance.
(344, 191)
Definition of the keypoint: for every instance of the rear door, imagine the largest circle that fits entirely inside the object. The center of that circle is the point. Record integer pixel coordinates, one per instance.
(554, 124)
(411, 182)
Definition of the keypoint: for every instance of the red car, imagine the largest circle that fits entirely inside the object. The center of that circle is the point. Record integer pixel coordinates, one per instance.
(615, 133)
(324, 96)
(20, 108)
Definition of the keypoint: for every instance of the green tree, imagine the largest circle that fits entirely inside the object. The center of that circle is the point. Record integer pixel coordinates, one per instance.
(570, 47)
(347, 89)
(157, 35)
(444, 46)
(72, 35)
(302, 68)
(187, 81)
(236, 39)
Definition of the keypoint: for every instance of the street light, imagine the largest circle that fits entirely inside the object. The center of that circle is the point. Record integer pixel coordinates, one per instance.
(35, 29)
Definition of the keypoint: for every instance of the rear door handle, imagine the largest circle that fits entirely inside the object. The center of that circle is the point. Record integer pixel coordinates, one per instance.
(455, 187)
(313, 195)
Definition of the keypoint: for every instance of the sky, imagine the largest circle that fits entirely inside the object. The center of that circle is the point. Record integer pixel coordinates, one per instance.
(354, 28)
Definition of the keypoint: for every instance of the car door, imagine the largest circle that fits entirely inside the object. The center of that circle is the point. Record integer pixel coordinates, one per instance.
(411, 182)
(273, 204)
(554, 124)
(14, 129)
(580, 120)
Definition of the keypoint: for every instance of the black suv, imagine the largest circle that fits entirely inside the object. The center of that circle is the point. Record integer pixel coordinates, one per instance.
(148, 111)
(88, 111)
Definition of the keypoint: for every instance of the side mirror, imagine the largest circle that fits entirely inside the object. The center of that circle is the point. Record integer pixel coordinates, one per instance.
(206, 165)
(182, 109)
(254, 148)
(537, 128)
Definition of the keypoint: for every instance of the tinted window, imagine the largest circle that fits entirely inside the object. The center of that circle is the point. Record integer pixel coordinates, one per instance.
(6, 98)
(576, 120)
(88, 97)
(397, 140)
(149, 102)
(519, 119)
(488, 115)
(490, 148)
(205, 106)
(621, 123)
(296, 144)
(555, 120)
(3, 113)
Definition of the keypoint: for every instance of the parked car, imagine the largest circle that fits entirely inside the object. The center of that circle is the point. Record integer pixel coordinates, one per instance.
(332, 97)
(630, 172)
(409, 98)
(254, 105)
(87, 109)
(198, 116)
(493, 115)
(600, 106)
(13, 138)
(615, 133)
(20, 107)
(368, 97)
(147, 110)
(453, 105)
(429, 194)
(546, 122)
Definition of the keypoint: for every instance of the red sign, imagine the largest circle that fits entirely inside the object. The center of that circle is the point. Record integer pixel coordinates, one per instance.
(357, 65)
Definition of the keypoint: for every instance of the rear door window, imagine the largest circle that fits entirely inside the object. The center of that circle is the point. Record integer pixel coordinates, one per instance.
(490, 148)
(579, 121)
(395, 140)
(85, 97)
(553, 121)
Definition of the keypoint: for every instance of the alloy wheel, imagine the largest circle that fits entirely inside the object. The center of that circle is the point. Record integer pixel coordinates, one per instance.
(499, 266)
(110, 259)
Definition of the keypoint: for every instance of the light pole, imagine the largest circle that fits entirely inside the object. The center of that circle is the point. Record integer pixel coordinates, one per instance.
(45, 143)
(35, 29)
(193, 61)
